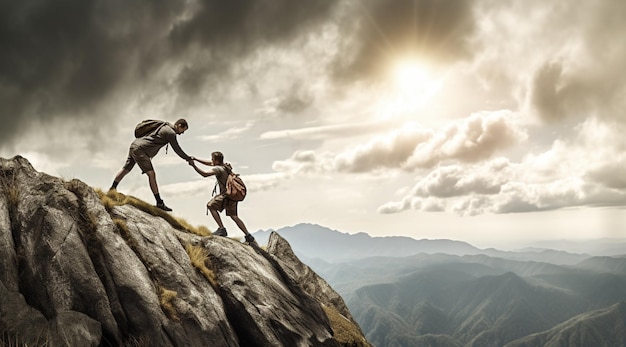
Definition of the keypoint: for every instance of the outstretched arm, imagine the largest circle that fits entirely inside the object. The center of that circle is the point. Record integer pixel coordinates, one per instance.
(176, 147)
(200, 171)
(205, 162)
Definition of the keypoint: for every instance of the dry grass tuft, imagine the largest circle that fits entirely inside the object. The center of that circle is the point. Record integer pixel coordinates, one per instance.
(138, 341)
(74, 186)
(166, 299)
(107, 202)
(35, 338)
(345, 332)
(199, 258)
(204, 231)
(114, 198)
(8, 184)
(13, 195)
(201, 230)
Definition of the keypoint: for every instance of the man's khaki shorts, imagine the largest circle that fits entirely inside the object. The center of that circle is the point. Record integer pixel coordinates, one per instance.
(136, 155)
(221, 202)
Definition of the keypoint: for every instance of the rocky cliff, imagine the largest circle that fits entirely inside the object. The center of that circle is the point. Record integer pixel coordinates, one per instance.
(80, 267)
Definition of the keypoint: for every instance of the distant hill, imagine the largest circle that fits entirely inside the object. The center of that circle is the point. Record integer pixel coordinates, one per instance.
(471, 300)
(601, 247)
(314, 241)
(604, 327)
(605, 264)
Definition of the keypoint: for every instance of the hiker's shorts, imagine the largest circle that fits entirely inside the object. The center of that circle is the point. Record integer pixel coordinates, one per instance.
(221, 202)
(136, 155)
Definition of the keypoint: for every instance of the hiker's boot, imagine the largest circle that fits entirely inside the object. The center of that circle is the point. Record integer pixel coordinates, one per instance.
(162, 206)
(220, 232)
(251, 241)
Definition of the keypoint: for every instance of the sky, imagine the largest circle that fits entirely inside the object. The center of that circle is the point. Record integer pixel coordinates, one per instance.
(494, 122)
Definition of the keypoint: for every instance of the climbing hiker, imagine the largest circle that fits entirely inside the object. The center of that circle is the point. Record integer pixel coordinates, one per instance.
(223, 200)
(150, 137)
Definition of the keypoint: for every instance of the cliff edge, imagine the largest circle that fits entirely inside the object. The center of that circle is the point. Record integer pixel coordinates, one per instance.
(80, 267)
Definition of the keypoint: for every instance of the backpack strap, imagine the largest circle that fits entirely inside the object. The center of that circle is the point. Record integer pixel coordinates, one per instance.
(157, 131)
(228, 169)
(212, 195)
(168, 144)
(158, 128)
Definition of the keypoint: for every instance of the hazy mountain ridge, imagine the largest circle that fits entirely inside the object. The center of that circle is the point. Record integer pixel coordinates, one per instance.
(605, 264)
(604, 327)
(612, 247)
(314, 241)
(438, 299)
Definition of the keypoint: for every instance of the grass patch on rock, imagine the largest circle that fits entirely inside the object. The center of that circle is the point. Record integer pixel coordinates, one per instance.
(345, 332)
(199, 258)
(114, 198)
(166, 299)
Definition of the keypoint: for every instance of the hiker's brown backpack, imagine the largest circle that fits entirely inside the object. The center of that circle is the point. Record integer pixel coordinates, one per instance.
(147, 127)
(235, 188)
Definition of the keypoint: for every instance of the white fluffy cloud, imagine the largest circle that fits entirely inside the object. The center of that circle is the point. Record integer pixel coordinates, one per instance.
(582, 171)
(478, 137)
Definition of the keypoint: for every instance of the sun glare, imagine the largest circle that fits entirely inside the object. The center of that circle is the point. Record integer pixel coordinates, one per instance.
(411, 76)
(413, 83)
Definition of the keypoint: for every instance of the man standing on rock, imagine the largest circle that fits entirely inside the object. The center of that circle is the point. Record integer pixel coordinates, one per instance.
(145, 147)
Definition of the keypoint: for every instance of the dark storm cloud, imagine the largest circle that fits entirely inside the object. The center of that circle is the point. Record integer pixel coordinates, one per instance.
(588, 82)
(219, 33)
(386, 30)
(240, 26)
(66, 58)
(596, 91)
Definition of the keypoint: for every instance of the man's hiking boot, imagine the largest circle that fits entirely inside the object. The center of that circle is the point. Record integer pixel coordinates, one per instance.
(251, 241)
(162, 206)
(220, 232)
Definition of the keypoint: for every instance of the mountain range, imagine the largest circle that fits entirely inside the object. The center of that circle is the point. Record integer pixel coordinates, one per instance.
(449, 293)
(317, 242)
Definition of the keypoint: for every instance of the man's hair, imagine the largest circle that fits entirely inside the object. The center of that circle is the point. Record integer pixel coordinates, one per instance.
(182, 122)
(218, 157)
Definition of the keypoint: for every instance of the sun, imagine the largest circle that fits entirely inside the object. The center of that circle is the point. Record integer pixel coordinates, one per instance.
(411, 76)
(413, 83)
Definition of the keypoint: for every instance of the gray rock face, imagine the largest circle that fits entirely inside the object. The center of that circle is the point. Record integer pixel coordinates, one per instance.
(314, 285)
(73, 272)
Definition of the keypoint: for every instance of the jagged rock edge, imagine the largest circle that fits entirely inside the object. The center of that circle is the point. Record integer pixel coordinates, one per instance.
(86, 226)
